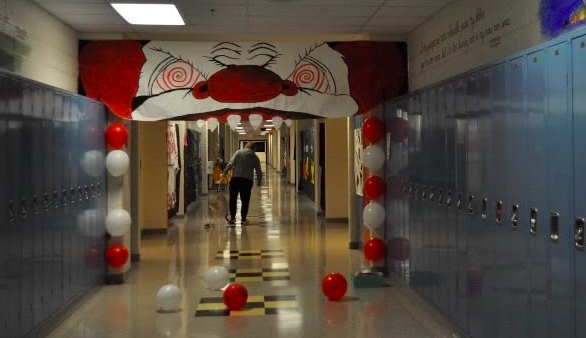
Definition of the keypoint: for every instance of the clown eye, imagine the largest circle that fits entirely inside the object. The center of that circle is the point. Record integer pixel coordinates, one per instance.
(176, 74)
(312, 74)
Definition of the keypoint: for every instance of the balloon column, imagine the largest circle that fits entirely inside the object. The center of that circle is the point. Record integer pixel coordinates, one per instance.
(118, 221)
(374, 215)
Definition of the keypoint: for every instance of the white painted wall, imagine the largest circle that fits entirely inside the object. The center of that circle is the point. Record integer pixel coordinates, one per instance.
(496, 28)
(35, 44)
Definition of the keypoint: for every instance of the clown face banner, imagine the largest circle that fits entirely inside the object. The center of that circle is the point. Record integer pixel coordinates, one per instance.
(166, 80)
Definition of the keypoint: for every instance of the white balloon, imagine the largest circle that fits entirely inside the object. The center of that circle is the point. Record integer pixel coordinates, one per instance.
(118, 222)
(200, 123)
(93, 163)
(212, 123)
(255, 120)
(168, 298)
(373, 157)
(288, 122)
(233, 121)
(277, 122)
(373, 215)
(117, 163)
(217, 277)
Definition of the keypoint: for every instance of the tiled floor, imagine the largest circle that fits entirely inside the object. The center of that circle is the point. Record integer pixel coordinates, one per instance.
(285, 235)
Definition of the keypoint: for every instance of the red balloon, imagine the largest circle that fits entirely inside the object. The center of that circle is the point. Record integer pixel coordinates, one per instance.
(117, 255)
(116, 135)
(334, 286)
(373, 129)
(374, 187)
(235, 296)
(374, 249)
(399, 130)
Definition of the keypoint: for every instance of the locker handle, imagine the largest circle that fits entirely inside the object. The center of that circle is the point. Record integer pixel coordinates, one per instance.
(440, 197)
(554, 225)
(471, 204)
(416, 193)
(79, 193)
(432, 195)
(423, 193)
(484, 207)
(93, 187)
(64, 197)
(579, 233)
(515, 216)
(459, 203)
(72, 195)
(36, 204)
(533, 221)
(55, 199)
(10, 210)
(499, 211)
(23, 211)
(46, 202)
(449, 200)
(99, 188)
(410, 189)
(87, 192)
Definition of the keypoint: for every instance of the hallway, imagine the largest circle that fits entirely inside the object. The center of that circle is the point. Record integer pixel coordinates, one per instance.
(280, 220)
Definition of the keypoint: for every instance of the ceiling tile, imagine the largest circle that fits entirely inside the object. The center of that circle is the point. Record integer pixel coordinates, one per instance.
(207, 10)
(94, 19)
(388, 29)
(396, 21)
(408, 11)
(301, 10)
(317, 2)
(103, 28)
(300, 21)
(407, 3)
(61, 8)
(216, 20)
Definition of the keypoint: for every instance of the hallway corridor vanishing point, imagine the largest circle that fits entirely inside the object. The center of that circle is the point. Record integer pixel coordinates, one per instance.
(280, 220)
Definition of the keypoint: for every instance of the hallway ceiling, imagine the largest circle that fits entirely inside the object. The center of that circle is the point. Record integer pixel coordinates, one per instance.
(376, 17)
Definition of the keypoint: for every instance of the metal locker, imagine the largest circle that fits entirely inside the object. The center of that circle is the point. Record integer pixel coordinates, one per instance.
(432, 224)
(40, 202)
(16, 205)
(473, 274)
(560, 191)
(579, 118)
(485, 237)
(536, 208)
(499, 200)
(4, 304)
(404, 176)
(57, 256)
(517, 223)
(461, 203)
(67, 213)
(450, 203)
(439, 201)
(78, 199)
(28, 209)
(414, 170)
(425, 221)
(391, 201)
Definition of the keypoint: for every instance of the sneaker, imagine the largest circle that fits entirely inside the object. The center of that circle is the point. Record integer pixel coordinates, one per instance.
(230, 220)
(244, 222)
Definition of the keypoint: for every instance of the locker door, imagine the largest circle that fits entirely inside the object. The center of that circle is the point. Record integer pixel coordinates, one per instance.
(27, 213)
(392, 200)
(15, 153)
(518, 210)
(450, 203)
(67, 213)
(462, 216)
(579, 109)
(441, 191)
(424, 222)
(473, 274)
(41, 202)
(560, 189)
(4, 222)
(77, 194)
(415, 170)
(537, 194)
(499, 199)
(58, 255)
(50, 207)
(432, 223)
(485, 236)
(404, 252)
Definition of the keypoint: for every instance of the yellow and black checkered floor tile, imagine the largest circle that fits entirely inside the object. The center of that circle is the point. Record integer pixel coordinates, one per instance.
(255, 306)
(259, 275)
(249, 254)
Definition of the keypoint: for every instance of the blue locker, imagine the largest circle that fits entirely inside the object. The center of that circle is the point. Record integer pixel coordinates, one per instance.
(67, 213)
(579, 115)
(424, 223)
(392, 201)
(473, 224)
(16, 205)
(517, 223)
(461, 203)
(537, 194)
(441, 193)
(432, 214)
(4, 83)
(404, 177)
(28, 210)
(499, 200)
(560, 189)
(414, 208)
(450, 203)
(57, 258)
(41, 204)
(483, 284)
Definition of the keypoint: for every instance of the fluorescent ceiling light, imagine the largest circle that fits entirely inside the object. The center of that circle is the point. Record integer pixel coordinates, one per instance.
(150, 14)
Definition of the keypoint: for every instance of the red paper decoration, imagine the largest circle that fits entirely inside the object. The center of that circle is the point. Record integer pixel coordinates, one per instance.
(116, 135)
(374, 187)
(373, 129)
(374, 249)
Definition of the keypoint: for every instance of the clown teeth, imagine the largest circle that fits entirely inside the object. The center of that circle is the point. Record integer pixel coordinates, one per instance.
(212, 123)
(277, 122)
(200, 123)
(255, 120)
(233, 121)
(288, 122)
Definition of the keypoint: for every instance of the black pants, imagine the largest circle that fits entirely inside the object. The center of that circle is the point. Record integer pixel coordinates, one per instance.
(242, 186)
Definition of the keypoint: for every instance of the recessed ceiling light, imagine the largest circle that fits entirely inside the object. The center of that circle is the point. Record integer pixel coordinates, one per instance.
(150, 14)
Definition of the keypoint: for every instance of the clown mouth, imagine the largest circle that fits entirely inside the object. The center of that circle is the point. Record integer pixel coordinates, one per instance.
(244, 114)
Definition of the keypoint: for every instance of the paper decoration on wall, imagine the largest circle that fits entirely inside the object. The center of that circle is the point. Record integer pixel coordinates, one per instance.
(212, 123)
(559, 15)
(288, 122)
(277, 122)
(184, 80)
(233, 121)
(200, 123)
(255, 120)
(358, 167)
